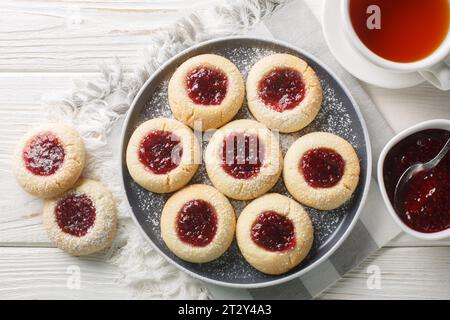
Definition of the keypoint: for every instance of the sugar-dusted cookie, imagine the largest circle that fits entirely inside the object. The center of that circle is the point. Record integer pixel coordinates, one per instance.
(82, 220)
(321, 170)
(206, 91)
(283, 92)
(274, 233)
(162, 155)
(49, 160)
(198, 223)
(243, 159)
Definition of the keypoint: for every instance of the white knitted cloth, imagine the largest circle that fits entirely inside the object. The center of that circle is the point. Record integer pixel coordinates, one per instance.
(94, 109)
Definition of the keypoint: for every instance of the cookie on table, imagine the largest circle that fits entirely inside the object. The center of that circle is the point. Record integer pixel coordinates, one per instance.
(207, 88)
(274, 233)
(283, 92)
(83, 220)
(49, 160)
(243, 159)
(321, 170)
(162, 155)
(198, 223)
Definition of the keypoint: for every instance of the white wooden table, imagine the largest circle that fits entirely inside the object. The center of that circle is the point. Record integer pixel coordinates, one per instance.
(41, 51)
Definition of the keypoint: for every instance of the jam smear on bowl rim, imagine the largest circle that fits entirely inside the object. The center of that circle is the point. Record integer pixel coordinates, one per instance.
(242, 155)
(75, 214)
(196, 223)
(273, 232)
(322, 167)
(282, 89)
(424, 204)
(44, 154)
(207, 86)
(160, 151)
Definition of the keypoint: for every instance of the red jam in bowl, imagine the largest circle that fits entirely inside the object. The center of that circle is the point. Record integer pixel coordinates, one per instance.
(424, 204)
(282, 89)
(44, 155)
(322, 167)
(160, 151)
(197, 223)
(273, 232)
(242, 155)
(75, 214)
(207, 86)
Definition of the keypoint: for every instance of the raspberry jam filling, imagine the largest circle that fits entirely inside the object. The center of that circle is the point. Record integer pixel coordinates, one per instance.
(207, 86)
(322, 167)
(197, 223)
(425, 201)
(273, 231)
(160, 151)
(242, 155)
(282, 89)
(44, 155)
(75, 214)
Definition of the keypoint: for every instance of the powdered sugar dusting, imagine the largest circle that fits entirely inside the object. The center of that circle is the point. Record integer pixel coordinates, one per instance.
(336, 116)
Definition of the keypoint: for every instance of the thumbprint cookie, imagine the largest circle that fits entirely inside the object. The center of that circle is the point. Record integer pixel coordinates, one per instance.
(243, 159)
(274, 233)
(83, 220)
(206, 91)
(49, 160)
(198, 223)
(162, 155)
(321, 170)
(283, 92)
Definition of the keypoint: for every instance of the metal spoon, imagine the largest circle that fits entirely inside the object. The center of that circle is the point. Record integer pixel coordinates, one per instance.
(415, 168)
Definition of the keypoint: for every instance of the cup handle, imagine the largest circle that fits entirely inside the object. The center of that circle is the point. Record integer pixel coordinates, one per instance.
(438, 75)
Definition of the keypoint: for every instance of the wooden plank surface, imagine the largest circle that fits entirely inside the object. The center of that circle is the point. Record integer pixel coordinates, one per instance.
(44, 273)
(45, 44)
(48, 273)
(75, 36)
(405, 273)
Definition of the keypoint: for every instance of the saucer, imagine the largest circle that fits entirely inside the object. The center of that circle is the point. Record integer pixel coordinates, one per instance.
(353, 61)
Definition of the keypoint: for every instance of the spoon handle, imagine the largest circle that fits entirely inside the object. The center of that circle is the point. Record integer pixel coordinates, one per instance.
(441, 154)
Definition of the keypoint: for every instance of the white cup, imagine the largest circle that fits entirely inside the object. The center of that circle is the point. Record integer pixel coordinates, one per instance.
(432, 68)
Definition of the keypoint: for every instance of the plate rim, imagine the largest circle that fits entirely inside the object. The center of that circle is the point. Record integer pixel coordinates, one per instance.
(366, 186)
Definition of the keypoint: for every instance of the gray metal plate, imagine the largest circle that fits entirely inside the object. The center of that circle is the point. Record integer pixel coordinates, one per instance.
(338, 115)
